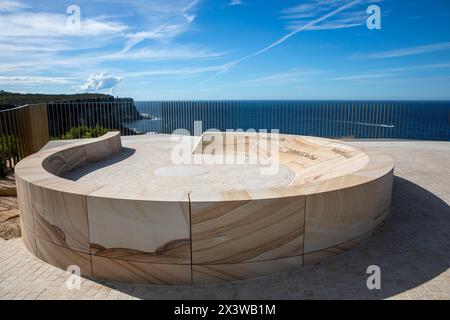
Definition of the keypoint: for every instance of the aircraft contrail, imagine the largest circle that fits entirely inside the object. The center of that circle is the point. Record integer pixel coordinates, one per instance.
(231, 64)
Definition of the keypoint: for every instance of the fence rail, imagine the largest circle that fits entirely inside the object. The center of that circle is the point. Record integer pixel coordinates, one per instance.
(23, 131)
(26, 129)
(77, 120)
(343, 119)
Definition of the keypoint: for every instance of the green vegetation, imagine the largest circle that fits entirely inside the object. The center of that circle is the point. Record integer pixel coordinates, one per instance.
(10, 99)
(8, 150)
(83, 132)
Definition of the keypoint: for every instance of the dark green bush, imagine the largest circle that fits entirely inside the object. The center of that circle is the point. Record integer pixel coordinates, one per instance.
(83, 132)
(3, 166)
(9, 149)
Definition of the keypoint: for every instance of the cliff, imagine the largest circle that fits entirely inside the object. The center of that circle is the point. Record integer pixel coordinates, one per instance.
(11, 99)
(110, 114)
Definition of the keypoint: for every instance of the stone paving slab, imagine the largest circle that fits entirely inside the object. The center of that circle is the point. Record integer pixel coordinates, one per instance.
(8, 186)
(8, 214)
(412, 248)
(8, 203)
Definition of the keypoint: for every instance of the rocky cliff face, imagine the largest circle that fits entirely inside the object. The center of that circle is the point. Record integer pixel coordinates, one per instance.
(110, 114)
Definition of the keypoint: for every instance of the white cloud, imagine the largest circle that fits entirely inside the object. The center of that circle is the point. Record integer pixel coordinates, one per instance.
(281, 78)
(403, 52)
(50, 60)
(301, 28)
(38, 42)
(158, 54)
(435, 66)
(31, 80)
(162, 32)
(299, 15)
(174, 19)
(101, 82)
(10, 6)
(50, 25)
(176, 72)
(364, 76)
(190, 5)
(190, 17)
(394, 72)
(235, 3)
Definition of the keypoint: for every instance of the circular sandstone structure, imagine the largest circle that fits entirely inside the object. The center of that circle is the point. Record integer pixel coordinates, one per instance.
(191, 210)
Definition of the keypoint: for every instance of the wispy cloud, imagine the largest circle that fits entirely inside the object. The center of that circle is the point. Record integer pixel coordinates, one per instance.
(51, 25)
(299, 15)
(280, 78)
(189, 71)
(235, 3)
(176, 22)
(36, 80)
(394, 72)
(49, 60)
(403, 52)
(299, 29)
(38, 42)
(35, 39)
(364, 76)
(10, 6)
(158, 54)
(421, 67)
(162, 32)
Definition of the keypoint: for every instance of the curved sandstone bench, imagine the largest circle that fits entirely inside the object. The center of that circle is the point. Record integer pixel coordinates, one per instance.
(338, 196)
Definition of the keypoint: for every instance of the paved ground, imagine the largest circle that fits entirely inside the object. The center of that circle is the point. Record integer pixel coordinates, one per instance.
(8, 186)
(9, 214)
(412, 249)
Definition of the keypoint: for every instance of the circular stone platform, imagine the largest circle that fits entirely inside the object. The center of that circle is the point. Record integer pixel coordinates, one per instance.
(180, 171)
(129, 213)
(148, 164)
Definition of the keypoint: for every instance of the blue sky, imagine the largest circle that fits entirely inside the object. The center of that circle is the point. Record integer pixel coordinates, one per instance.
(227, 49)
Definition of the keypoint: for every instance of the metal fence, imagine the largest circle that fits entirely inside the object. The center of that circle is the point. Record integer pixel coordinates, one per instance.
(342, 119)
(26, 129)
(86, 119)
(23, 131)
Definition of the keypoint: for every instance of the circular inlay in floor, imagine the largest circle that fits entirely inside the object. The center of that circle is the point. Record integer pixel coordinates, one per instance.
(180, 171)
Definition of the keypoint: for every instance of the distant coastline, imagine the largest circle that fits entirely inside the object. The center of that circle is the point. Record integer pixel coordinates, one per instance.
(10, 100)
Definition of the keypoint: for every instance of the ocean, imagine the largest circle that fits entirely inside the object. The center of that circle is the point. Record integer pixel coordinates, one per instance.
(422, 120)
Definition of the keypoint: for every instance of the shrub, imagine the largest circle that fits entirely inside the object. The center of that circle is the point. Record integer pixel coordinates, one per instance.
(83, 132)
(9, 148)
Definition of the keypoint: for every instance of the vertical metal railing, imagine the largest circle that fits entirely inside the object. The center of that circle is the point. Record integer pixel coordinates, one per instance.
(23, 131)
(84, 119)
(340, 119)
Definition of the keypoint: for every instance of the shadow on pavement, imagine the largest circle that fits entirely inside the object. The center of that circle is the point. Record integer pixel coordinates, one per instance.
(78, 173)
